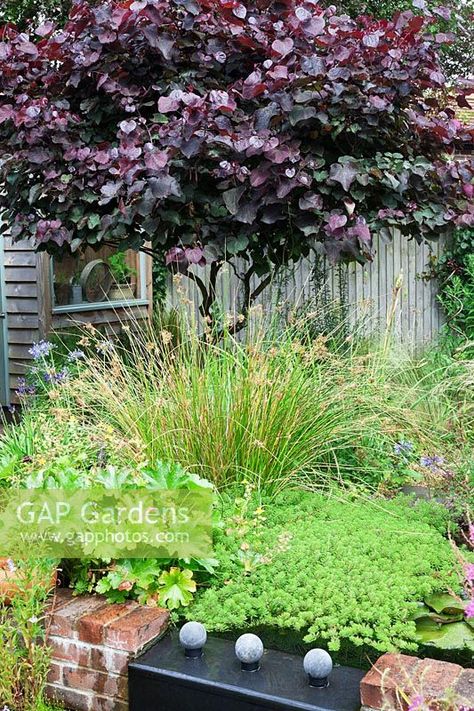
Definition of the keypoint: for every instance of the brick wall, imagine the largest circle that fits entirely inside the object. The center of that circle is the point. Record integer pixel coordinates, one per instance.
(92, 643)
(397, 679)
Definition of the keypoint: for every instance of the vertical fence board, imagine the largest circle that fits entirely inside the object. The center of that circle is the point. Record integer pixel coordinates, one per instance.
(368, 290)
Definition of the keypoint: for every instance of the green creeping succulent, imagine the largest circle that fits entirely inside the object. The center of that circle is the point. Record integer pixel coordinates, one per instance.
(335, 571)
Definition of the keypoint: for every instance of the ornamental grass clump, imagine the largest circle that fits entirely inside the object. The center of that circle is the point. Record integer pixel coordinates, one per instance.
(340, 573)
(272, 410)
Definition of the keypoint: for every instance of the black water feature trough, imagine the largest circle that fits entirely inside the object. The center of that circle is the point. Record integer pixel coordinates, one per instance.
(168, 678)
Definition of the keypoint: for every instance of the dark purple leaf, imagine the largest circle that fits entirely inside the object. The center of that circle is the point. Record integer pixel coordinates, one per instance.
(315, 26)
(231, 199)
(164, 186)
(175, 255)
(158, 41)
(107, 37)
(6, 112)
(128, 127)
(301, 113)
(311, 201)
(247, 213)
(240, 11)
(443, 12)
(194, 255)
(336, 222)
(111, 190)
(45, 29)
(155, 159)
(314, 66)
(283, 47)
(371, 40)
(344, 174)
(167, 104)
(39, 155)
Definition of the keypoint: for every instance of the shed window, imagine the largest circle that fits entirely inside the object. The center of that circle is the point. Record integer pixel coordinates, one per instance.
(98, 277)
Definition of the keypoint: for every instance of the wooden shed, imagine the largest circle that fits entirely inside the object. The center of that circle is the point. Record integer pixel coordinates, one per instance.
(39, 296)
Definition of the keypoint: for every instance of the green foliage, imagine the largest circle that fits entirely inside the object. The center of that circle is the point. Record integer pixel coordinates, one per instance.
(121, 271)
(334, 572)
(455, 272)
(160, 275)
(24, 661)
(22, 11)
(148, 581)
(177, 588)
(277, 409)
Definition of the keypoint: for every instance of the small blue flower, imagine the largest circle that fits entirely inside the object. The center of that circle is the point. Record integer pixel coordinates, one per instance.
(61, 376)
(24, 389)
(41, 349)
(431, 462)
(76, 355)
(403, 447)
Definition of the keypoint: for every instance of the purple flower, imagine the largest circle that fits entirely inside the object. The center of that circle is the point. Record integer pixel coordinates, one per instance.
(469, 572)
(24, 388)
(471, 534)
(57, 378)
(469, 610)
(416, 703)
(76, 355)
(61, 376)
(431, 462)
(41, 349)
(403, 447)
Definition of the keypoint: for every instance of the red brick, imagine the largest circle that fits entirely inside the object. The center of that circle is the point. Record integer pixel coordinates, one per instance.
(96, 682)
(55, 673)
(389, 674)
(64, 621)
(137, 629)
(109, 660)
(464, 687)
(69, 698)
(103, 703)
(91, 627)
(61, 597)
(434, 678)
(69, 650)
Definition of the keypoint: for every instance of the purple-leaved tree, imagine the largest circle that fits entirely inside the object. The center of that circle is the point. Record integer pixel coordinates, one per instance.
(203, 130)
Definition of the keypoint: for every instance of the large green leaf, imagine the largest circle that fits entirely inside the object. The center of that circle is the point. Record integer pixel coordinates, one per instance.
(457, 636)
(177, 588)
(446, 603)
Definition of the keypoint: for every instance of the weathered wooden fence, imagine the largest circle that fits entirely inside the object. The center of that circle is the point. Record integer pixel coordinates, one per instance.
(366, 291)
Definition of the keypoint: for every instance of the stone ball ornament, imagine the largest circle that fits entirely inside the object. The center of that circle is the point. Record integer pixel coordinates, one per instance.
(318, 666)
(193, 637)
(249, 651)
